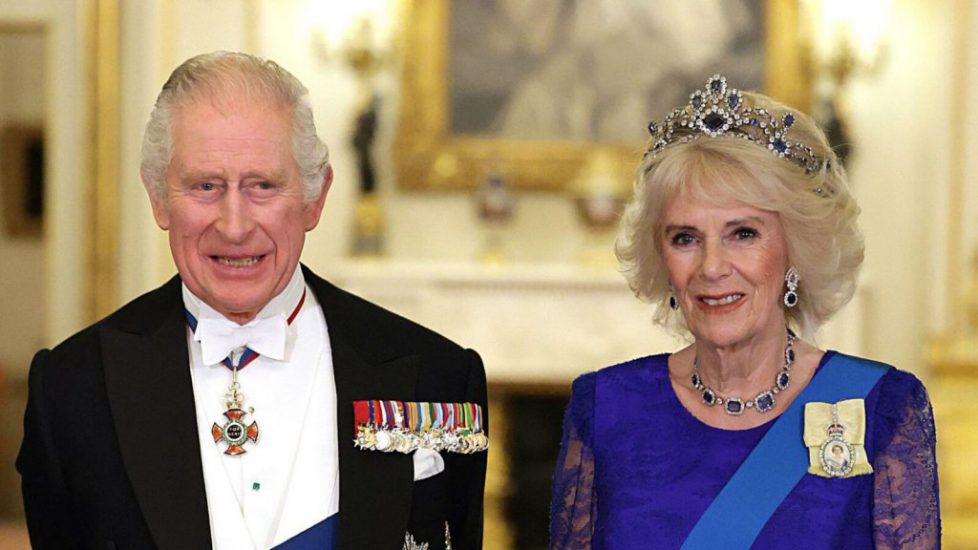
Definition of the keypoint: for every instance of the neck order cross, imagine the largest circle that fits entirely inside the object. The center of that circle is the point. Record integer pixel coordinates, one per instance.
(235, 432)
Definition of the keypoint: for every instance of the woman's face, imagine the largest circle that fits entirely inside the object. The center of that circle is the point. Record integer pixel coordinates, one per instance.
(726, 266)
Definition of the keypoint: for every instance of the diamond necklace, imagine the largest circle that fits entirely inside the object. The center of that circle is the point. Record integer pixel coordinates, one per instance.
(762, 402)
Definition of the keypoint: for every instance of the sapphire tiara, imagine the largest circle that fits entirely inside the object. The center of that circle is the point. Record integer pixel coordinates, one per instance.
(718, 110)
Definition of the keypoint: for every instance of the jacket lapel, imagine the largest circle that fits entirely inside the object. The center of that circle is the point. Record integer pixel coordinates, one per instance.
(375, 488)
(151, 395)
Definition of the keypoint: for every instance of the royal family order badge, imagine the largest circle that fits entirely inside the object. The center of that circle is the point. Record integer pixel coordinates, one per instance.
(834, 435)
(836, 453)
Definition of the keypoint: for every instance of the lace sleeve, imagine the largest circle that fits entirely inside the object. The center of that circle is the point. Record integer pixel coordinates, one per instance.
(906, 514)
(573, 503)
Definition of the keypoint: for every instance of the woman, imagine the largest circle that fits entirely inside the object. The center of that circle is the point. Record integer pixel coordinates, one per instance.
(743, 231)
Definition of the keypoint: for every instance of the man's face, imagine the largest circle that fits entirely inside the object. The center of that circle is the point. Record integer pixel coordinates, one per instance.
(234, 206)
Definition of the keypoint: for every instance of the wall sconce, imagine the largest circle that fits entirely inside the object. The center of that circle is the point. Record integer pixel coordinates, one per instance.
(599, 192)
(335, 26)
(849, 40)
(346, 32)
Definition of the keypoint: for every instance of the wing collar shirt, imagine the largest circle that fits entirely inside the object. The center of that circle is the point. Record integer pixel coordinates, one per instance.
(288, 480)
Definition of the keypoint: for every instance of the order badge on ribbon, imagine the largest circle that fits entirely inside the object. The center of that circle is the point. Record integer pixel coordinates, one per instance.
(835, 435)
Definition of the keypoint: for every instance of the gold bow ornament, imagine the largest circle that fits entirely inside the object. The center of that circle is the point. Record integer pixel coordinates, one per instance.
(834, 435)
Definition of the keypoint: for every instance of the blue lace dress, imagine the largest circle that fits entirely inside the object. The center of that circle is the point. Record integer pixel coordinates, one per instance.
(637, 470)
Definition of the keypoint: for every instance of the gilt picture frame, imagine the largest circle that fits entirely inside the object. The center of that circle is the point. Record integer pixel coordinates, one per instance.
(440, 145)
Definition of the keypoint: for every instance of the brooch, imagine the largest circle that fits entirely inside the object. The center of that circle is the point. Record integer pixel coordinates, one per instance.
(406, 426)
(834, 435)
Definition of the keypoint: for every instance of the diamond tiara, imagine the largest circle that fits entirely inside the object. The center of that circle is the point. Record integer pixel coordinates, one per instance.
(718, 110)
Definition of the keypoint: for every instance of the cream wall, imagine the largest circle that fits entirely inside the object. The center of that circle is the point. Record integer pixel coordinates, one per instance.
(967, 120)
(900, 120)
(21, 309)
(901, 175)
(63, 273)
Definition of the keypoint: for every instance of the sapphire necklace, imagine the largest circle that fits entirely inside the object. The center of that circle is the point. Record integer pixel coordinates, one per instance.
(762, 402)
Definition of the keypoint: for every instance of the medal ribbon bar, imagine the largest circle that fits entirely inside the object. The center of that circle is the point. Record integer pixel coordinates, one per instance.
(405, 426)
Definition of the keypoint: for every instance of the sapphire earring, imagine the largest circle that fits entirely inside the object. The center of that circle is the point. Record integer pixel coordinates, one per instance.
(791, 279)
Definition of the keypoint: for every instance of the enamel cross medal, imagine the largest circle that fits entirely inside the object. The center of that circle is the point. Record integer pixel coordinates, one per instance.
(235, 433)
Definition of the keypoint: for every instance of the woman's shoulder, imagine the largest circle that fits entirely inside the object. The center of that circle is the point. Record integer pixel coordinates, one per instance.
(641, 366)
(897, 389)
(893, 378)
(902, 394)
(614, 380)
(629, 371)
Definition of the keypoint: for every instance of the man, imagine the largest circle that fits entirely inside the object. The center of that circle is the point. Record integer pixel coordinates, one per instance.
(221, 409)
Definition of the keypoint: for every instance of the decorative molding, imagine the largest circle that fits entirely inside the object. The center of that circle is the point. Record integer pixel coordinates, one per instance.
(958, 257)
(104, 121)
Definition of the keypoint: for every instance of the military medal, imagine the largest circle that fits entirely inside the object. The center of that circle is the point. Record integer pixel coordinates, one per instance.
(836, 454)
(233, 430)
(406, 426)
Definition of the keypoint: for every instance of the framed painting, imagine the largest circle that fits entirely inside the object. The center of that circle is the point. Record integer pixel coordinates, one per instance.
(529, 90)
(22, 179)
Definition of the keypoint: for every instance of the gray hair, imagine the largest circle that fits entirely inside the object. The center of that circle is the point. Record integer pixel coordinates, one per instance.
(821, 230)
(211, 75)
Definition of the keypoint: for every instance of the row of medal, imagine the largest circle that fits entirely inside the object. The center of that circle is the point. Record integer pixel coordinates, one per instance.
(405, 426)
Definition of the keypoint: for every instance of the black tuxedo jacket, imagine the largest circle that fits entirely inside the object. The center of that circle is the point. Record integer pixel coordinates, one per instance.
(111, 458)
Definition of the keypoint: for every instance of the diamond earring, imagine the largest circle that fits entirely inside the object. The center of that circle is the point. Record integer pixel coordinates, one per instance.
(673, 302)
(791, 279)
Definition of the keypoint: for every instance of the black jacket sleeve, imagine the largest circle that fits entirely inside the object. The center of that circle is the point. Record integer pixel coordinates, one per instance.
(50, 519)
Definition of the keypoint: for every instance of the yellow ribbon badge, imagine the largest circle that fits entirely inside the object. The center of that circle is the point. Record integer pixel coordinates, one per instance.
(834, 435)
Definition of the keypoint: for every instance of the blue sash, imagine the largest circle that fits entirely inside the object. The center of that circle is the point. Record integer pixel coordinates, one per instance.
(780, 459)
(321, 536)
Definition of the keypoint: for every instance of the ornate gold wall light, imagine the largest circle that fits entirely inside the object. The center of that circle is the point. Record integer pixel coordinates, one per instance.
(358, 48)
(848, 40)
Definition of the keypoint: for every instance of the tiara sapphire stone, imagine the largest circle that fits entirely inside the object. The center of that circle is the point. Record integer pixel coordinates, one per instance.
(713, 121)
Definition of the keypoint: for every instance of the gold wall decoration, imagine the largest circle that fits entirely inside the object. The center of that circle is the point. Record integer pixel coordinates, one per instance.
(103, 17)
(433, 151)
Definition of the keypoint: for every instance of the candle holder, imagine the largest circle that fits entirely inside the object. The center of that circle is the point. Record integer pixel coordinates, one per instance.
(599, 197)
(495, 204)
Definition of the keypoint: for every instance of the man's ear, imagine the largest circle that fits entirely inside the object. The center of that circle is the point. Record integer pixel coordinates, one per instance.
(160, 210)
(312, 211)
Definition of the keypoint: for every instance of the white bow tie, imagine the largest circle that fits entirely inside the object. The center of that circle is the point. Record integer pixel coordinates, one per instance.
(219, 337)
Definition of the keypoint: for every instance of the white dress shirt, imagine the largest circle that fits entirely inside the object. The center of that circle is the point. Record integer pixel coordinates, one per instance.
(288, 480)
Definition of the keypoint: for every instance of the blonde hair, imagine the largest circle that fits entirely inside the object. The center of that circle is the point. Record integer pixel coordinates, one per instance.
(215, 77)
(817, 211)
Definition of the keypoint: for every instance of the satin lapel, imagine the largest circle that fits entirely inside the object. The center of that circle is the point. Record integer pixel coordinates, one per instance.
(151, 395)
(375, 488)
